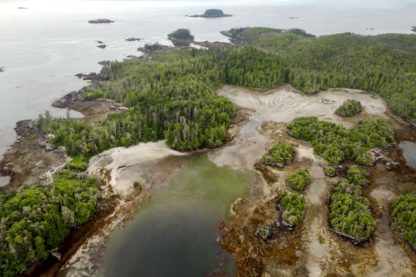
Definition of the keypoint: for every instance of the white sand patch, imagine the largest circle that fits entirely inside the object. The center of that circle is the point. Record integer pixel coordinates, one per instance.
(4, 181)
(284, 105)
(304, 152)
(318, 252)
(242, 154)
(116, 159)
(392, 257)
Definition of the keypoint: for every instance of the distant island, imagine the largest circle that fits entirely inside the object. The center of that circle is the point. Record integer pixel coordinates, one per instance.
(101, 44)
(133, 39)
(212, 13)
(1, 69)
(22, 8)
(414, 28)
(100, 21)
(181, 37)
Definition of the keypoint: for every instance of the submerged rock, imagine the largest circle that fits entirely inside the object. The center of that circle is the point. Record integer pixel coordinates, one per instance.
(101, 21)
(88, 77)
(378, 156)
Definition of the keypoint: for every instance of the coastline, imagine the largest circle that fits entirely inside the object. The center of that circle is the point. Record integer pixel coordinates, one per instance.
(117, 210)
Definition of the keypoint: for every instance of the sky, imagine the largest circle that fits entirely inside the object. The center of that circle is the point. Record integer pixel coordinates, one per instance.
(337, 2)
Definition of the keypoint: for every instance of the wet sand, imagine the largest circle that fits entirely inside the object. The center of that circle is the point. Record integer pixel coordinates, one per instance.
(312, 249)
(132, 174)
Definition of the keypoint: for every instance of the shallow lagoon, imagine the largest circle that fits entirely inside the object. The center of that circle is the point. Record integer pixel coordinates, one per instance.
(175, 232)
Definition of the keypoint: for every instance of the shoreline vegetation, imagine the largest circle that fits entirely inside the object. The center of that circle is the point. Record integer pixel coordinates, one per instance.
(349, 211)
(171, 95)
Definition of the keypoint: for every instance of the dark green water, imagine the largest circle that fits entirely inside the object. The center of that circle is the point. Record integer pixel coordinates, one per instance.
(175, 232)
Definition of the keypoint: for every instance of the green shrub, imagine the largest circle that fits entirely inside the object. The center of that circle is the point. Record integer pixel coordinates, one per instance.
(299, 180)
(263, 232)
(36, 220)
(293, 208)
(357, 175)
(330, 170)
(350, 107)
(279, 155)
(78, 163)
(336, 143)
(349, 211)
(404, 214)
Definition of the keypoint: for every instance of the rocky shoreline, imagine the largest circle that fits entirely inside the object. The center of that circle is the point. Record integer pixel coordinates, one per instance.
(30, 157)
(251, 253)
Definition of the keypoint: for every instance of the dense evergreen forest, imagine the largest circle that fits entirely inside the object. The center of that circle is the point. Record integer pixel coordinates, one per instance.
(174, 97)
(404, 213)
(384, 64)
(299, 180)
(336, 143)
(349, 210)
(293, 207)
(279, 155)
(37, 219)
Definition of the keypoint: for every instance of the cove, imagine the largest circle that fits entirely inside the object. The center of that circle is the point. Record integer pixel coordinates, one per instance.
(175, 232)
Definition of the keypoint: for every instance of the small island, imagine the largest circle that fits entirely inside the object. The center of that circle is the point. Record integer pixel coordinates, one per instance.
(212, 13)
(100, 21)
(133, 39)
(181, 37)
(414, 28)
(1, 69)
(101, 44)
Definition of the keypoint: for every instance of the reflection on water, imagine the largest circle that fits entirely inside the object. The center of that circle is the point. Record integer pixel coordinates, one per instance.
(174, 234)
(409, 152)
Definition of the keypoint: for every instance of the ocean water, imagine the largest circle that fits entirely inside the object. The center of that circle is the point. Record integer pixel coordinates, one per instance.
(43, 46)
